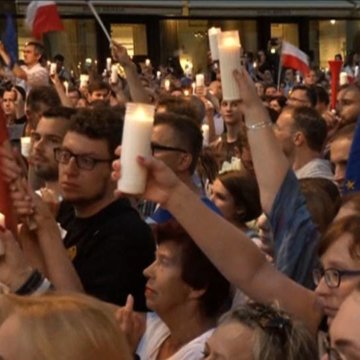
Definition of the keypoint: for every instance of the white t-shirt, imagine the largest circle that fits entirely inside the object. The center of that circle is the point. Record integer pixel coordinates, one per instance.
(37, 75)
(320, 168)
(156, 333)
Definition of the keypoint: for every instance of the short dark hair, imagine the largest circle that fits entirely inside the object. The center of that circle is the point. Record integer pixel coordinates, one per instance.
(197, 270)
(41, 97)
(59, 57)
(310, 93)
(100, 123)
(179, 105)
(98, 84)
(244, 189)
(313, 126)
(322, 95)
(62, 112)
(39, 48)
(187, 133)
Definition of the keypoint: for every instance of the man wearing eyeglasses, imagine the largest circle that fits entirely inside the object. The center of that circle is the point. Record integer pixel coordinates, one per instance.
(302, 95)
(177, 141)
(107, 241)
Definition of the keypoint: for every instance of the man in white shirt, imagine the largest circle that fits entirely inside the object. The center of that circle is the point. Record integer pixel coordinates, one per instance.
(301, 132)
(32, 71)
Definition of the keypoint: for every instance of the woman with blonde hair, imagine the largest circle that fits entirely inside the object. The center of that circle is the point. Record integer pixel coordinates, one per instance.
(71, 327)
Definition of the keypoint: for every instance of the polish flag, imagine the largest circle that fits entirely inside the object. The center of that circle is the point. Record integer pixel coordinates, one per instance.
(294, 58)
(42, 17)
(5, 199)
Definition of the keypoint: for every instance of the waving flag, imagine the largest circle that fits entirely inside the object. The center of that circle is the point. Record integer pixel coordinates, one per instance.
(5, 200)
(294, 58)
(9, 38)
(42, 17)
(352, 176)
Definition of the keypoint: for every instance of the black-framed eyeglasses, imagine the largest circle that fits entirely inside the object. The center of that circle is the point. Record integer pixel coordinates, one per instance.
(157, 147)
(332, 276)
(84, 162)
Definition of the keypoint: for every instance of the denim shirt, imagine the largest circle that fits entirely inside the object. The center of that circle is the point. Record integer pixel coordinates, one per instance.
(296, 237)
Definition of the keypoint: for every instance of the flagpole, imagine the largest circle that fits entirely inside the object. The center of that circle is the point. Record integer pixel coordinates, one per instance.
(97, 17)
(279, 70)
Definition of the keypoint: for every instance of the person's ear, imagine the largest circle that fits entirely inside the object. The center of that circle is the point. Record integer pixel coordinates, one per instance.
(298, 138)
(196, 294)
(184, 162)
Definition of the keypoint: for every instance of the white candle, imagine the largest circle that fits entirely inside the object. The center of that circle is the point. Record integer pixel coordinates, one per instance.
(167, 84)
(139, 119)
(2, 223)
(147, 62)
(229, 57)
(205, 133)
(200, 80)
(186, 92)
(213, 33)
(88, 61)
(343, 79)
(25, 143)
(298, 77)
(193, 87)
(84, 79)
(108, 64)
(356, 71)
(66, 86)
(114, 74)
(158, 75)
(52, 68)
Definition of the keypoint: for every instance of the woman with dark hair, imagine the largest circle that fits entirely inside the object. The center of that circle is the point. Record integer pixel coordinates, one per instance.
(236, 194)
(186, 293)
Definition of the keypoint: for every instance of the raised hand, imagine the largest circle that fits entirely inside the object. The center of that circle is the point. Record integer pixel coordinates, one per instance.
(131, 323)
(161, 181)
(120, 54)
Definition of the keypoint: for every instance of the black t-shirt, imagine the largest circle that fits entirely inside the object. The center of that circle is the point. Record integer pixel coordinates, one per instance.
(110, 250)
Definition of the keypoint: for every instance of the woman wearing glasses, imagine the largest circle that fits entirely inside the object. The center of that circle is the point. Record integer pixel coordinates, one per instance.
(245, 266)
(238, 258)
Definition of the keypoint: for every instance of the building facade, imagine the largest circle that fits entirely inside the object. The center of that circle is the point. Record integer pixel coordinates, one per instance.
(159, 29)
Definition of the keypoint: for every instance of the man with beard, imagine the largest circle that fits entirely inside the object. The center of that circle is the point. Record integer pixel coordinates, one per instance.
(47, 136)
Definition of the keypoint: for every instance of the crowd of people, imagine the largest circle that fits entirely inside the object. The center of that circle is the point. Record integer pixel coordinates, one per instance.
(244, 245)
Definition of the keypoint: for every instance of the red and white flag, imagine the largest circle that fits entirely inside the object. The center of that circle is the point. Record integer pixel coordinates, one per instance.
(42, 17)
(292, 57)
(6, 207)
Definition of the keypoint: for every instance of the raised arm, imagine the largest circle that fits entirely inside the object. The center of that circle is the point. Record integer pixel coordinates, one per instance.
(271, 165)
(54, 259)
(137, 91)
(227, 247)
